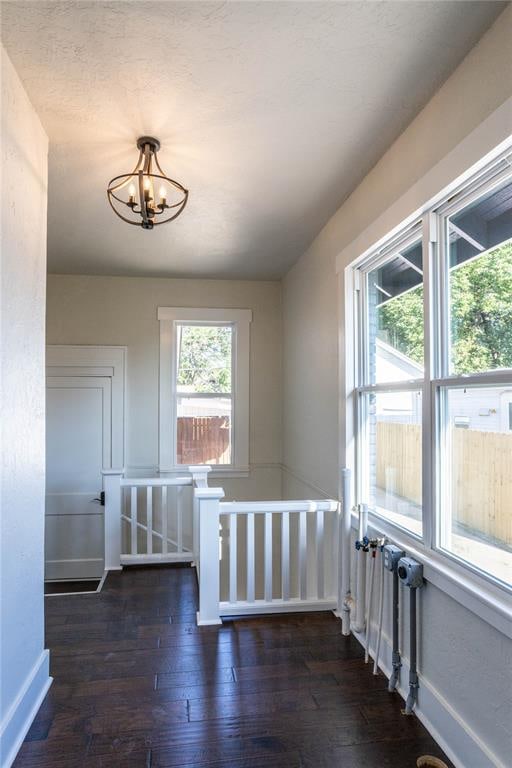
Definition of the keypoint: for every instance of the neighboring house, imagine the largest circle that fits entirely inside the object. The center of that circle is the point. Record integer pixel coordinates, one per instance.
(486, 409)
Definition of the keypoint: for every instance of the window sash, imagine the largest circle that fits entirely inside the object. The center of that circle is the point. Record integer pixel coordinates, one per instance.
(437, 340)
(170, 319)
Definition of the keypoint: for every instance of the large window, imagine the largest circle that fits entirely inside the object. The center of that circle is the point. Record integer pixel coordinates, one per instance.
(434, 377)
(204, 388)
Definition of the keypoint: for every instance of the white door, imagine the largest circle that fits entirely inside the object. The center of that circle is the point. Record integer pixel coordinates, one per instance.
(84, 434)
(78, 447)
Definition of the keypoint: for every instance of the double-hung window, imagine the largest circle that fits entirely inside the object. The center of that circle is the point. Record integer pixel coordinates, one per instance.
(434, 377)
(204, 388)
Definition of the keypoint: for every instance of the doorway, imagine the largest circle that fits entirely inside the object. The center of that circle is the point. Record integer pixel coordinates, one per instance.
(84, 435)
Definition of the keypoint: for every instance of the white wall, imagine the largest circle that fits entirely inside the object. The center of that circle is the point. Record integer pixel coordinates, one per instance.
(454, 657)
(117, 310)
(24, 671)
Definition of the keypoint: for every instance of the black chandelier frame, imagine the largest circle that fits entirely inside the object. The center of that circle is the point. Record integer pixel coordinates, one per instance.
(143, 177)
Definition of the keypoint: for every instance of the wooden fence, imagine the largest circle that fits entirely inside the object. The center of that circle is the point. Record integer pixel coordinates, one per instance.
(204, 440)
(481, 467)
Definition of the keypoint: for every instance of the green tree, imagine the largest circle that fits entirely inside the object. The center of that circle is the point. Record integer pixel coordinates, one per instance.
(205, 358)
(481, 315)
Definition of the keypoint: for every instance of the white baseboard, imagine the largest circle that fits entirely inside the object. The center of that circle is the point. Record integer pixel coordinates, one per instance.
(294, 605)
(75, 569)
(21, 713)
(455, 737)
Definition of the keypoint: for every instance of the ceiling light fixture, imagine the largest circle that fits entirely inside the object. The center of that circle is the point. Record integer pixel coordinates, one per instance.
(135, 191)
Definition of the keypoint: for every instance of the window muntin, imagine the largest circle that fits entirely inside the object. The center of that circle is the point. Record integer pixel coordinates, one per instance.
(479, 257)
(475, 476)
(446, 272)
(204, 413)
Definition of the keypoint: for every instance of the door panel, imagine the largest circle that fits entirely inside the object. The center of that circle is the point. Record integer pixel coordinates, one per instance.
(78, 447)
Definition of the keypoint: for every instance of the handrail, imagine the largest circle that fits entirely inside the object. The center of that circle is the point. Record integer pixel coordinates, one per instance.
(249, 507)
(131, 482)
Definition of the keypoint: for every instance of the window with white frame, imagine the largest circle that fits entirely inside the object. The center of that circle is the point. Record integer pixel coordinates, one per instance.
(434, 377)
(204, 388)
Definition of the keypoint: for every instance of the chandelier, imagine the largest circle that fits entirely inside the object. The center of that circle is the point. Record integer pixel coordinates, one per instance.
(133, 197)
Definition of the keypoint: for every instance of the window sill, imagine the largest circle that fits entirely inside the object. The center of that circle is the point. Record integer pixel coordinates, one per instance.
(488, 601)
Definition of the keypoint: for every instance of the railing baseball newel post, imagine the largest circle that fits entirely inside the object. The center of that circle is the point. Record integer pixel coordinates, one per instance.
(209, 575)
(112, 518)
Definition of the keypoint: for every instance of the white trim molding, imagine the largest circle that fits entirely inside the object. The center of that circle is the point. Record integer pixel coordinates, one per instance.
(240, 320)
(19, 717)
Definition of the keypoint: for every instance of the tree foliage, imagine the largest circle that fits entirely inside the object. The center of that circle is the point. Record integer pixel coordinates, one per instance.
(205, 359)
(481, 315)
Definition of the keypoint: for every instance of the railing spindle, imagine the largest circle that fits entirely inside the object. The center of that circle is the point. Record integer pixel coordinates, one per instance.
(303, 556)
(133, 511)
(268, 556)
(179, 519)
(250, 557)
(165, 521)
(285, 555)
(233, 559)
(320, 579)
(149, 519)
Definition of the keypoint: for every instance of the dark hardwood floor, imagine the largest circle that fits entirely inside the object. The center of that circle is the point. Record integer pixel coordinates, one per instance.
(138, 684)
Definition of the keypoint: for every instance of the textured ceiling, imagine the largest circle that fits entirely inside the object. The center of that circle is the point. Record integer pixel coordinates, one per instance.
(269, 112)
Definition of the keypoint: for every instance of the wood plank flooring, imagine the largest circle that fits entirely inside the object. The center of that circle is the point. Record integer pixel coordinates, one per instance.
(138, 684)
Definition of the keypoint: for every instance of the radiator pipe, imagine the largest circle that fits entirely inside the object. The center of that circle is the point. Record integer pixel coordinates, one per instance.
(346, 551)
(381, 612)
(413, 674)
(370, 603)
(395, 659)
(360, 598)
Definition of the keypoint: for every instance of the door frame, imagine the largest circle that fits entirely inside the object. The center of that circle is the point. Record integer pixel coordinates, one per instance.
(104, 361)
(104, 366)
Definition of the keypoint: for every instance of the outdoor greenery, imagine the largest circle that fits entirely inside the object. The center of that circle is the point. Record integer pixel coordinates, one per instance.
(204, 359)
(481, 315)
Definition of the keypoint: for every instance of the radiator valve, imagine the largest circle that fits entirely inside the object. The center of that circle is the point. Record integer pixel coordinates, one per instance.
(410, 572)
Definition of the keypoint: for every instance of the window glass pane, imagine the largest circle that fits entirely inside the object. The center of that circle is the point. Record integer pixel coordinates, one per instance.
(204, 402)
(476, 460)
(395, 318)
(480, 282)
(204, 358)
(204, 430)
(393, 452)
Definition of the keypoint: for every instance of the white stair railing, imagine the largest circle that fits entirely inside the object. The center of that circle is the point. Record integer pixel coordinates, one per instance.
(266, 557)
(151, 519)
(251, 557)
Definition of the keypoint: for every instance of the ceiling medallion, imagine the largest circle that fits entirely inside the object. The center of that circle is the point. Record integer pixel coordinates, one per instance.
(135, 191)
